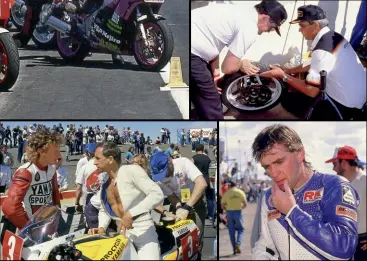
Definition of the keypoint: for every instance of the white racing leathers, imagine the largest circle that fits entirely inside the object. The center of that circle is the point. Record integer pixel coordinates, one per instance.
(139, 195)
(323, 224)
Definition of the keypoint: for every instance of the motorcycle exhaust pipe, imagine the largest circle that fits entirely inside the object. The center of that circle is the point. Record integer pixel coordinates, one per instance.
(58, 25)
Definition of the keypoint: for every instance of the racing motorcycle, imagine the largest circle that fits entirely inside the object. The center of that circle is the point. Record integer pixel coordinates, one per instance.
(43, 36)
(246, 93)
(47, 236)
(105, 27)
(9, 56)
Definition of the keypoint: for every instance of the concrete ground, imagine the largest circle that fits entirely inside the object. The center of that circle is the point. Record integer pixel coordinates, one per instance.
(225, 246)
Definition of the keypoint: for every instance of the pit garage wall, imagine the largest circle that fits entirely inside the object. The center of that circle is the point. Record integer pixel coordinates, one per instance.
(270, 48)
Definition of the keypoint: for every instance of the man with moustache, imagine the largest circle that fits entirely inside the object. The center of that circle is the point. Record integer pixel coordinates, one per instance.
(306, 214)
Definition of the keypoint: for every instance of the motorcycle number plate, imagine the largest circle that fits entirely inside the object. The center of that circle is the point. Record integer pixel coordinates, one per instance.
(190, 244)
(154, 1)
(11, 246)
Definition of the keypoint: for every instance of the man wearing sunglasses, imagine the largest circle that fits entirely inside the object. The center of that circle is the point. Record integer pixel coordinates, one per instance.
(346, 164)
(346, 78)
(216, 26)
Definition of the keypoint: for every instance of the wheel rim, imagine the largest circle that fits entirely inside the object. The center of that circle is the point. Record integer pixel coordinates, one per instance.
(44, 34)
(151, 54)
(17, 15)
(4, 63)
(67, 45)
(233, 97)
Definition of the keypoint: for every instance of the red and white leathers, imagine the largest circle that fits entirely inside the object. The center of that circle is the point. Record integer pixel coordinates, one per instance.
(32, 187)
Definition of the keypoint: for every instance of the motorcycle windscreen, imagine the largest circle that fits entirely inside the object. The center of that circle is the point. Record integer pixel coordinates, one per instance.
(46, 224)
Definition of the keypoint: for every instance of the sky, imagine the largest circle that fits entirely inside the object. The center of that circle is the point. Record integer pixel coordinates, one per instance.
(319, 139)
(151, 128)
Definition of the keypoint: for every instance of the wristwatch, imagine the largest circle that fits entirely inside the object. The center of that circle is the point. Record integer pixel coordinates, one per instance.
(285, 78)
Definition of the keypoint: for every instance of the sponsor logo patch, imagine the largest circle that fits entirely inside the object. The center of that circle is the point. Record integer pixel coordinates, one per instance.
(37, 177)
(313, 195)
(346, 212)
(348, 197)
(273, 214)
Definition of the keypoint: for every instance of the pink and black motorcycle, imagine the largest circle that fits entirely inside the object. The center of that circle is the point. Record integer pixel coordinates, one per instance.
(124, 27)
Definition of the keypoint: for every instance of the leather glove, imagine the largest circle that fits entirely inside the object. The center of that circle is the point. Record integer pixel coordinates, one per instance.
(181, 214)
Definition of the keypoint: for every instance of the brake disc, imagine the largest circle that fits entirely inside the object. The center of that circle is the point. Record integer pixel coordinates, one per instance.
(254, 92)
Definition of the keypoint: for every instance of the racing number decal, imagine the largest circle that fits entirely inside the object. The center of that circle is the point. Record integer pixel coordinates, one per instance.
(12, 246)
(190, 244)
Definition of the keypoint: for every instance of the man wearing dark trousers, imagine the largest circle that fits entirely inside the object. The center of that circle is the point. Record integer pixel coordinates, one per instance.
(214, 27)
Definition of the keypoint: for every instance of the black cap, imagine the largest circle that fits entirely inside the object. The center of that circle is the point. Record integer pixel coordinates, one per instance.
(276, 11)
(309, 13)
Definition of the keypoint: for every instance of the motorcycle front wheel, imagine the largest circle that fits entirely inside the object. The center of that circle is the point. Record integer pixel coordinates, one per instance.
(9, 64)
(158, 51)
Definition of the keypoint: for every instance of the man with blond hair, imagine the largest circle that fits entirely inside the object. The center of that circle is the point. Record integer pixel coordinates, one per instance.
(34, 184)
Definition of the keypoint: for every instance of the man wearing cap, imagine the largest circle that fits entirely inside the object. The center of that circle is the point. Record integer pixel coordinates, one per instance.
(184, 185)
(346, 164)
(82, 177)
(331, 52)
(216, 26)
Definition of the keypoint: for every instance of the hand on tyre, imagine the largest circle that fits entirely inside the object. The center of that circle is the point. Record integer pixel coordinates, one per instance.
(275, 72)
(216, 78)
(248, 68)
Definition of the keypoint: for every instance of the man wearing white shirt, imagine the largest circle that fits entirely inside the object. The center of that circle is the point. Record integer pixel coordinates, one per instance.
(62, 176)
(80, 175)
(5, 175)
(331, 52)
(128, 197)
(184, 186)
(212, 28)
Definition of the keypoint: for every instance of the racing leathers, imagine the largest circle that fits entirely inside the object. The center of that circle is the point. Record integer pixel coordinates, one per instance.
(322, 224)
(31, 19)
(139, 195)
(32, 187)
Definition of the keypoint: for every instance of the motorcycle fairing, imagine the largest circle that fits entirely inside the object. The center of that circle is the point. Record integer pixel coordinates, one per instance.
(102, 247)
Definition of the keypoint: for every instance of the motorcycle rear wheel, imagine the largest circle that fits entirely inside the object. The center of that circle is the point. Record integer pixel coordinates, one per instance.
(167, 46)
(73, 54)
(45, 40)
(15, 16)
(9, 56)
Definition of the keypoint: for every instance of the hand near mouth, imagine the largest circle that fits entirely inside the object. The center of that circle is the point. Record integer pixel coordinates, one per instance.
(282, 200)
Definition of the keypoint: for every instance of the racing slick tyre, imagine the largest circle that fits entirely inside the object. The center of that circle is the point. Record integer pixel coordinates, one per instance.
(165, 43)
(9, 62)
(251, 97)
